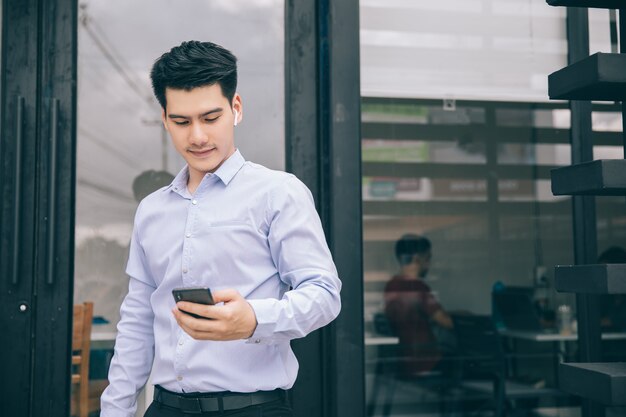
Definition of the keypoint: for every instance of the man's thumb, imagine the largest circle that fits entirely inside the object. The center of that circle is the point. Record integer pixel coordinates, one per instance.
(225, 296)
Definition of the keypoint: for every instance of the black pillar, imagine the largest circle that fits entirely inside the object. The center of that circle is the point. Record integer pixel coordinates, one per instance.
(323, 150)
(584, 207)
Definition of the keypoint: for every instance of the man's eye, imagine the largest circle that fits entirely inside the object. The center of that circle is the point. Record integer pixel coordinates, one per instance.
(181, 123)
(211, 120)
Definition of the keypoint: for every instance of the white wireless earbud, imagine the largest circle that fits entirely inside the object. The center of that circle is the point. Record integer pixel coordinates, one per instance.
(236, 117)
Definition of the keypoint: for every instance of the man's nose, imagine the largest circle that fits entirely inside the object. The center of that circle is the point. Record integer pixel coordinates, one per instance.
(199, 136)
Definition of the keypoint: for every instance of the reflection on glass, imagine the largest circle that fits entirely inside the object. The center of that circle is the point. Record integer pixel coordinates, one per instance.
(123, 152)
(458, 141)
(496, 231)
(534, 154)
(606, 121)
(601, 23)
(613, 306)
(486, 49)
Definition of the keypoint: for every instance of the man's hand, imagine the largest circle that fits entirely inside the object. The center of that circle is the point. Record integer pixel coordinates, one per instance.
(233, 320)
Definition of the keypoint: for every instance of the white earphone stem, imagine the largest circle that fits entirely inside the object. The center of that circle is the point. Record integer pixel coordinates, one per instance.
(236, 117)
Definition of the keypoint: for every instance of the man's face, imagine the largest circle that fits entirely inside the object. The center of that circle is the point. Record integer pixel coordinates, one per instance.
(200, 123)
(423, 262)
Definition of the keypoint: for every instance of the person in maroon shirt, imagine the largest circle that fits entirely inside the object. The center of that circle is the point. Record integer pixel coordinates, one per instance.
(411, 308)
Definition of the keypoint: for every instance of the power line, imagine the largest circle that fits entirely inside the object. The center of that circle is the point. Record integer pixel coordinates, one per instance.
(95, 85)
(103, 189)
(103, 144)
(87, 22)
(147, 93)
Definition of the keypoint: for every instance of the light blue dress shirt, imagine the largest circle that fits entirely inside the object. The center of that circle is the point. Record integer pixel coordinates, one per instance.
(248, 228)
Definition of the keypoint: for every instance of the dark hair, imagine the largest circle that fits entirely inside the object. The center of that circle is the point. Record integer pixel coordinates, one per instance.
(410, 245)
(613, 255)
(194, 64)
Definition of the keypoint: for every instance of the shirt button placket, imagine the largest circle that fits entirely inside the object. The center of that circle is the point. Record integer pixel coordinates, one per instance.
(179, 357)
(191, 214)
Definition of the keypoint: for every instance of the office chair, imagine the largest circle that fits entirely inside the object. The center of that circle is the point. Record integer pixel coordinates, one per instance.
(482, 353)
(389, 371)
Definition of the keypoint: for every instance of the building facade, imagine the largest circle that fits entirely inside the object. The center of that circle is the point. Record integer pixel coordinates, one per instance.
(401, 116)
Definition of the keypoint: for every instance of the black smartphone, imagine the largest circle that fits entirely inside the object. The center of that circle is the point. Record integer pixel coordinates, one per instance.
(198, 295)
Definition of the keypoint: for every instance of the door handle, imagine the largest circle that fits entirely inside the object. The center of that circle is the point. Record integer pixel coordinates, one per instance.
(52, 188)
(19, 133)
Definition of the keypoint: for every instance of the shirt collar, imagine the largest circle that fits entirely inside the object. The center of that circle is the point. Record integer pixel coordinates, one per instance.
(179, 183)
(226, 172)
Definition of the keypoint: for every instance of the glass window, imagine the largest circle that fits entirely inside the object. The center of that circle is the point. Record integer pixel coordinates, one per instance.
(601, 22)
(485, 49)
(461, 230)
(123, 152)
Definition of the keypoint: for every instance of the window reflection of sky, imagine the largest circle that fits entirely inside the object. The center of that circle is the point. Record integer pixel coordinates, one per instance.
(118, 131)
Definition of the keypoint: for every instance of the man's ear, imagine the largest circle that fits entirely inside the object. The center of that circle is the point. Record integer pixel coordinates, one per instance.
(238, 105)
(164, 119)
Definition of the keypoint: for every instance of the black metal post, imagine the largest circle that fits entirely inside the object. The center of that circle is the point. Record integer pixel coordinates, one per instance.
(301, 153)
(622, 50)
(323, 150)
(344, 118)
(583, 207)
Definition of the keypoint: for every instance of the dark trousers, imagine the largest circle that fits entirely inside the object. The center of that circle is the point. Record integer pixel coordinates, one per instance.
(280, 408)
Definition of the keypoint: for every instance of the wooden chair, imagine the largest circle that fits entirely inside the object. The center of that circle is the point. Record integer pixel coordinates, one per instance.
(81, 344)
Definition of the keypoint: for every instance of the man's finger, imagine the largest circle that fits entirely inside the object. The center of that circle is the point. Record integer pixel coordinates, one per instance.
(188, 322)
(199, 309)
(225, 296)
(192, 322)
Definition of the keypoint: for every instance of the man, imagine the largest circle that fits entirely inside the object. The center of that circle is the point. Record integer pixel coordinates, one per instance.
(249, 233)
(411, 307)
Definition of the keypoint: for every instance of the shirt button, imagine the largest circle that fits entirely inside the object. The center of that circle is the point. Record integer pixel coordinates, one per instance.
(185, 270)
(188, 235)
(194, 202)
(257, 341)
(179, 378)
(180, 343)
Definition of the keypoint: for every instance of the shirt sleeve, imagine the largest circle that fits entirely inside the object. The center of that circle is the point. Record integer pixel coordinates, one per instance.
(299, 251)
(134, 345)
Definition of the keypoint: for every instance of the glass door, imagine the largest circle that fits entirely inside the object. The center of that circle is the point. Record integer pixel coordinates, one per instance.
(36, 153)
(17, 182)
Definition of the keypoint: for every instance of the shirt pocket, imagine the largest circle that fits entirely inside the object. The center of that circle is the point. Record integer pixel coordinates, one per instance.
(227, 224)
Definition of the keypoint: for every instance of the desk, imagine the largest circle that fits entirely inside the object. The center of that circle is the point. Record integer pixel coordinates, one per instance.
(555, 337)
(558, 339)
(103, 336)
(372, 340)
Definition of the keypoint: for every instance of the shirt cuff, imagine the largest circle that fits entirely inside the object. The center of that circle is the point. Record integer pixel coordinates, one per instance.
(115, 413)
(266, 311)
